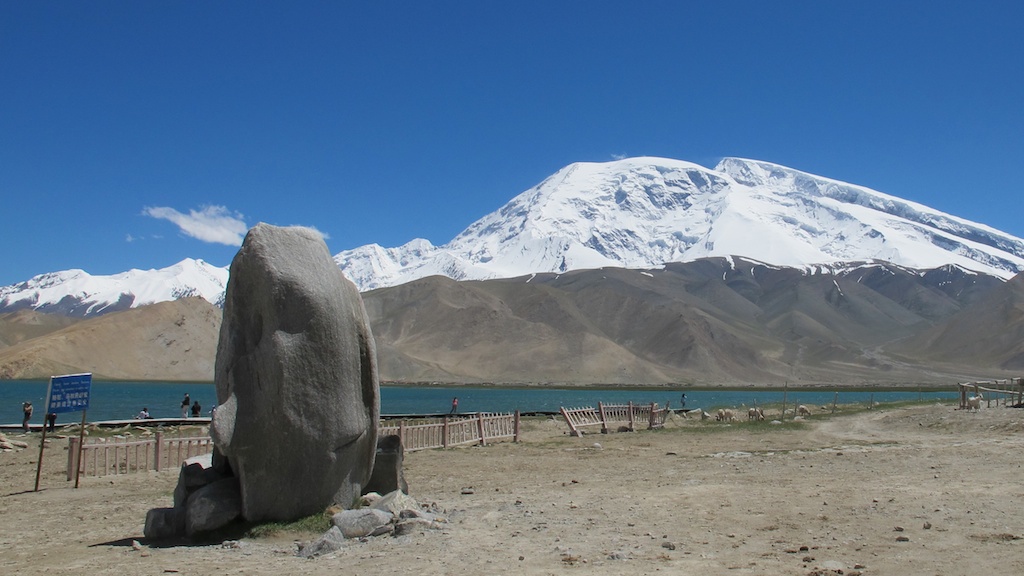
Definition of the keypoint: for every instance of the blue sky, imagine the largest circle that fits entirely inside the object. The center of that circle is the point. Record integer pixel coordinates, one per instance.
(136, 134)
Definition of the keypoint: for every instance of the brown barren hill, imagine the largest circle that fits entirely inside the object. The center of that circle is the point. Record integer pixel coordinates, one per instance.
(167, 341)
(17, 327)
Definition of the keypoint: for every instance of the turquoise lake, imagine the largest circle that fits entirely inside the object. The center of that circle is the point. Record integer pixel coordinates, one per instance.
(123, 400)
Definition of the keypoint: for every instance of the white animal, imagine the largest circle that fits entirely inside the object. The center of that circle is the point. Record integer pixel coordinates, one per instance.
(974, 402)
(802, 410)
(755, 414)
(725, 415)
(704, 415)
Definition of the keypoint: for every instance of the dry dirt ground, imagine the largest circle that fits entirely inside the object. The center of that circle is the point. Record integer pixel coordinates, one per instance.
(917, 490)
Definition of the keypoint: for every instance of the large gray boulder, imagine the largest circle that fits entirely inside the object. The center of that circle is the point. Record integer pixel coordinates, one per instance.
(296, 377)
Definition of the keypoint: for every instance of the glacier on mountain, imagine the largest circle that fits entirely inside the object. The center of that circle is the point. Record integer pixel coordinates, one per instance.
(645, 212)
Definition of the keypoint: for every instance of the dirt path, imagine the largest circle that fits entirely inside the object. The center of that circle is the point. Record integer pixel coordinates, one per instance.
(923, 490)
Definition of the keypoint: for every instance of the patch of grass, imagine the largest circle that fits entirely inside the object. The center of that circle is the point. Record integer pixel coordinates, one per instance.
(315, 524)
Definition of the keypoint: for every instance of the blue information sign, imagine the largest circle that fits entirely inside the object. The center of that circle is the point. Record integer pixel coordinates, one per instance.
(68, 393)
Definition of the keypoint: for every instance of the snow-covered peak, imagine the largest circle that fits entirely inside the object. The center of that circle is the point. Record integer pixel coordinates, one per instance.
(644, 212)
(78, 293)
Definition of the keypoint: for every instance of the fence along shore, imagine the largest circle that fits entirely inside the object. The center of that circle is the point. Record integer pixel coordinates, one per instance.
(113, 456)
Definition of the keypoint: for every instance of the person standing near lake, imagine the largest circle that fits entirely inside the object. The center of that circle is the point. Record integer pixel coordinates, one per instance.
(196, 409)
(185, 406)
(455, 405)
(26, 410)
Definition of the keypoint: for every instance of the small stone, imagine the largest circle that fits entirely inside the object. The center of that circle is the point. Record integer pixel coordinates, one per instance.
(898, 528)
(469, 490)
(330, 541)
(668, 545)
(902, 539)
(362, 522)
(136, 545)
(927, 526)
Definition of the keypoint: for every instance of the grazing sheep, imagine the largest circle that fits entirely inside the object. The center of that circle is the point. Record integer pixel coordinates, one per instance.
(755, 414)
(974, 402)
(725, 415)
(802, 410)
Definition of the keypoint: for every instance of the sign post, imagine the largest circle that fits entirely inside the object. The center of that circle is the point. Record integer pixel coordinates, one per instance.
(69, 393)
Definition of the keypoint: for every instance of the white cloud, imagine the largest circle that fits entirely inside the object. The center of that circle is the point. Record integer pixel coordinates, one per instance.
(210, 223)
(323, 235)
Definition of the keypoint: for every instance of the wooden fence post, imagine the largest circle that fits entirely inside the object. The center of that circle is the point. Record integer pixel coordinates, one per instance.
(785, 388)
(604, 419)
(444, 437)
(631, 416)
(72, 456)
(158, 451)
(515, 428)
(401, 432)
(650, 419)
(480, 428)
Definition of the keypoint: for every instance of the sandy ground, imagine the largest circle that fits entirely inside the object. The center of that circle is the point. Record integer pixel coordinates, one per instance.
(919, 490)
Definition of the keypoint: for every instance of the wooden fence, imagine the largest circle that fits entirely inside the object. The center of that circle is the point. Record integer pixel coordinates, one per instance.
(124, 456)
(161, 452)
(623, 416)
(1010, 392)
(448, 431)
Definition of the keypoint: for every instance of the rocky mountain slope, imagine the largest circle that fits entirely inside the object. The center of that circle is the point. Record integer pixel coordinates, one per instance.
(716, 321)
(175, 340)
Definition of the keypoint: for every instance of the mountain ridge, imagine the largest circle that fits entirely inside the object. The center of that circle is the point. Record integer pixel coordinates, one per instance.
(645, 212)
(711, 322)
(635, 213)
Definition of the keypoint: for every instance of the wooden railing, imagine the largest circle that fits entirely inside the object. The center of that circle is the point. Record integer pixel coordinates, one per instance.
(124, 456)
(1010, 392)
(624, 416)
(161, 452)
(448, 431)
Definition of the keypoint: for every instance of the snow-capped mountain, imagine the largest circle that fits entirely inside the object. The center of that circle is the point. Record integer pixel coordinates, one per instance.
(631, 213)
(77, 293)
(644, 212)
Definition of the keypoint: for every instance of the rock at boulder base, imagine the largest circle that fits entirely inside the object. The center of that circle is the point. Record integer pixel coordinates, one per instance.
(162, 523)
(213, 506)
(296, 377)
(332, 540)
(388, 465)
(361, 522)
